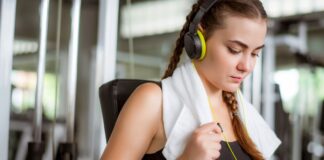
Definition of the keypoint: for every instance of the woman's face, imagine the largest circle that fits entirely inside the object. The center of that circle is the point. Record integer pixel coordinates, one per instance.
(232, 51)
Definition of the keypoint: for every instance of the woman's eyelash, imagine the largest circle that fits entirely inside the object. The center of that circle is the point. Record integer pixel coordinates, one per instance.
(238, 51)
(255, 55)
(233, 50)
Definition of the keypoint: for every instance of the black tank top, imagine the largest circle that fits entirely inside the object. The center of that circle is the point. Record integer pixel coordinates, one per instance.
(225, 153)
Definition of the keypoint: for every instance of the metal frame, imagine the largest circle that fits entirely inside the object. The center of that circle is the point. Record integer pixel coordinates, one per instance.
(44, 8)
(257, 84)
(7, 29)
(268, 96)
(72, 69)
(297, 125)
(106, 53)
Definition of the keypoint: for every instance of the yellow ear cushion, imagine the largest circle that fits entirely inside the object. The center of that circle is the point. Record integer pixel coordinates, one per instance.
(203, 45)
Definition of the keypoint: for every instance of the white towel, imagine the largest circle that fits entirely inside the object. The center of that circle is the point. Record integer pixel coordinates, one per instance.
(185, 108)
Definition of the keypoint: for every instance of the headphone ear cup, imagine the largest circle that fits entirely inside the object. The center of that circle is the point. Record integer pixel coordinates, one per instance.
(195, 45)
(191, 44)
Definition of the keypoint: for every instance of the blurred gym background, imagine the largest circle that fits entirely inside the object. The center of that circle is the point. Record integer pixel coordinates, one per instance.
(55, 54)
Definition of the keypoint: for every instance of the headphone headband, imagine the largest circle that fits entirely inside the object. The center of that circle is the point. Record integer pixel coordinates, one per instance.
(202, 10)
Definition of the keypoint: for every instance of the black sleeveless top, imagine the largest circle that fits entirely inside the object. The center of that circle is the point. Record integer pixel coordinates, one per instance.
(225, 153)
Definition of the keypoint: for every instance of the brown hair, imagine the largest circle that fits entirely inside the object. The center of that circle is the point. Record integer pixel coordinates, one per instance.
(212, 20)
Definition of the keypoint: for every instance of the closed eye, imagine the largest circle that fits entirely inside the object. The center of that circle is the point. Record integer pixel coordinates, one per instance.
(255, 55)
(233, 50)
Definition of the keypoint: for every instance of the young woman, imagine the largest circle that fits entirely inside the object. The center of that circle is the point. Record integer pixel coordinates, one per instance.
(198, 113)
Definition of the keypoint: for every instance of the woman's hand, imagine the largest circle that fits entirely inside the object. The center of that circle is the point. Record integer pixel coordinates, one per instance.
(204, 143)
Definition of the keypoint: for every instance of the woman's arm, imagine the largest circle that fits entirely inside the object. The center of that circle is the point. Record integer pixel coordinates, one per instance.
(137, 124)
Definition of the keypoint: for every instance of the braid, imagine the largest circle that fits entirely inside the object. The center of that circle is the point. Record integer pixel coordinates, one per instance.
(175, 58)
(240, 131)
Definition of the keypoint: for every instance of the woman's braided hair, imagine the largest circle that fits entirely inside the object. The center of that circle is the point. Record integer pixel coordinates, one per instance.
(175, 58)
(212, 20)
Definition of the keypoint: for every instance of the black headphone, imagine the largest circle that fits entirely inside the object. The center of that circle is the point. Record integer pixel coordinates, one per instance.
(194, 41)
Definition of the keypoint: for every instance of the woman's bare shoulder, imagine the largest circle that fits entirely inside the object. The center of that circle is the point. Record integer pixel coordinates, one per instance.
(150, 91)
(137, 123)
(146, 99)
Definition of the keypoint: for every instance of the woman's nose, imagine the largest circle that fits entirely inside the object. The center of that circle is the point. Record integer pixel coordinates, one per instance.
(245, 64)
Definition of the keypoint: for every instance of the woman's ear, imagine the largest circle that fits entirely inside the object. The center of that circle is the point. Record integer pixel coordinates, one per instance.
(201, 29)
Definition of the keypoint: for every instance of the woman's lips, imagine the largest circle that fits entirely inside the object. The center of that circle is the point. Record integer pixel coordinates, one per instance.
(236, 79)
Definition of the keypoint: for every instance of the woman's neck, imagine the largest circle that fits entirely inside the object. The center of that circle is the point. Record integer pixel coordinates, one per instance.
(214, 93)
(211, 90)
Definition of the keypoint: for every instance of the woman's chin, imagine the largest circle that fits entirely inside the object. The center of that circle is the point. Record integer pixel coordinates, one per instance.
(231, 88)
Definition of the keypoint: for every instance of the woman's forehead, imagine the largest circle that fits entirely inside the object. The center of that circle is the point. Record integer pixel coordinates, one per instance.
(249, 31)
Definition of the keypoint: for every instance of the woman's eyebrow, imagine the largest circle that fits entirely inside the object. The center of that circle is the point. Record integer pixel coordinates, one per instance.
(243, 45)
